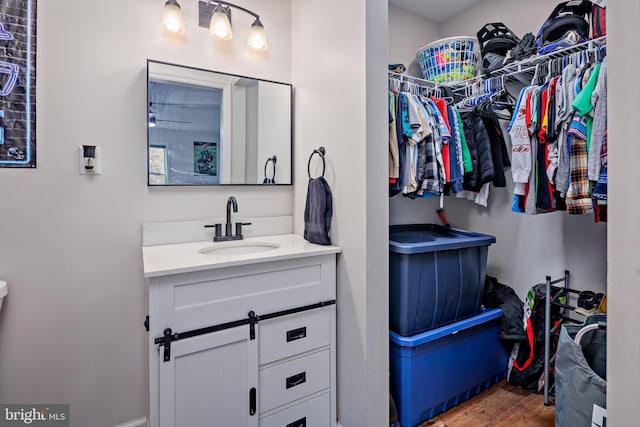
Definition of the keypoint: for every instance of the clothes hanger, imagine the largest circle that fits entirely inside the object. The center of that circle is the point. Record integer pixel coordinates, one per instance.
(534, 79)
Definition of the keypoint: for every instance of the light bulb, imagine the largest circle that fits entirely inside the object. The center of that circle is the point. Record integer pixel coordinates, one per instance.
(257, 37)
(172, 19)
(220, 26)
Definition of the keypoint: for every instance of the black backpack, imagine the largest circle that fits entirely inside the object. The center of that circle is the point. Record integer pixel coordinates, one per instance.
(528, 366)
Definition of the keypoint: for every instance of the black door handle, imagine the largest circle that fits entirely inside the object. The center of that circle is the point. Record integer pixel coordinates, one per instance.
(296, 334)
(297, 379)
(302, 422)
(252, 401)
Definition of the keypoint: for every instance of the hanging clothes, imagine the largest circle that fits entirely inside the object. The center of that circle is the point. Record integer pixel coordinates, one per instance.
(394, 155)
(520, 144)
(480, 148)
(599, 114)
(558, 155)
(578, 195)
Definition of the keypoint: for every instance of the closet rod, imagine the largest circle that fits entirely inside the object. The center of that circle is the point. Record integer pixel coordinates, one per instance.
(412, 79)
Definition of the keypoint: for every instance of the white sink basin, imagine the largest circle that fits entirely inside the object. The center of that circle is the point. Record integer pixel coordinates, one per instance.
(238, 248)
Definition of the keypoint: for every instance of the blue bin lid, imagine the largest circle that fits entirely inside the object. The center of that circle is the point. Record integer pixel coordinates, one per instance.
(443, 331)
(418, 238)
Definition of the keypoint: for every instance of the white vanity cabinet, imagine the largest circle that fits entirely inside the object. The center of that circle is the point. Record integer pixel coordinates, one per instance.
(244, 344)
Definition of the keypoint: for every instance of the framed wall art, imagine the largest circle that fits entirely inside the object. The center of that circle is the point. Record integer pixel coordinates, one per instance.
(18, 83)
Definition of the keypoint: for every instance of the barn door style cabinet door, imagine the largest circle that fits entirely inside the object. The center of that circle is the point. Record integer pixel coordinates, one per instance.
(211, 380)
(245, 345)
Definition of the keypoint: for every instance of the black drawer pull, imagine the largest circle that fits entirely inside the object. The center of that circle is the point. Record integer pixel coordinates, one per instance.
(252, 401)
(302, 422)
(297, 379)
(296, 334)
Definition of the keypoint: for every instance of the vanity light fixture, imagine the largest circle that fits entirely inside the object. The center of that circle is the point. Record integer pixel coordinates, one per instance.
(215, 15)
(257, 37)
(220, 24)
(172, 18)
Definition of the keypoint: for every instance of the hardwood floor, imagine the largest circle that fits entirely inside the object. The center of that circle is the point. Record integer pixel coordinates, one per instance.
(503, 405)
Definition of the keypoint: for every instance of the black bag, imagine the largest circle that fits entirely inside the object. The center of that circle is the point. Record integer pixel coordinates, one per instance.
(528, 366)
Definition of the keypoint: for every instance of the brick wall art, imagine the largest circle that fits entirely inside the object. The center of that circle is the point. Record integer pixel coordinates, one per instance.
(18, 83)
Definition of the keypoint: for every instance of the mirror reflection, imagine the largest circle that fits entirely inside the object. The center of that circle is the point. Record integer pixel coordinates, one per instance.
(211, 128)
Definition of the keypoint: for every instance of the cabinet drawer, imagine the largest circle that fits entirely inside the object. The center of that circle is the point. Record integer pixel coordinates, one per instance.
(292, 380)
(312, 413)
(287, 336)
(212, 297)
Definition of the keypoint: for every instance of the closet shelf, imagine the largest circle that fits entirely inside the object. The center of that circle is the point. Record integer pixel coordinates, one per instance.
(530, 64)
(514, 69)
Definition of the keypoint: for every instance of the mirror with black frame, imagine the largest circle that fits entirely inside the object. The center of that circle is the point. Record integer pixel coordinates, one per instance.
(212, 128)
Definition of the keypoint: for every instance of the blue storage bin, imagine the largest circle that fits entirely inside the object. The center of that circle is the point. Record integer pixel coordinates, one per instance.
(436, 276)
(438, 369)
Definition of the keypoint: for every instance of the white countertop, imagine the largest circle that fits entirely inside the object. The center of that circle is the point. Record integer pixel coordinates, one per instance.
(162, 260)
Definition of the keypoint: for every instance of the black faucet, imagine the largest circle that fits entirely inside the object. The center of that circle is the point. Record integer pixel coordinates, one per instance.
(231, 202)
(228, 229)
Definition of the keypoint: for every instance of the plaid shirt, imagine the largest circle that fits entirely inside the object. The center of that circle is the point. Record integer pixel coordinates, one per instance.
(578, 195)
(431, 182)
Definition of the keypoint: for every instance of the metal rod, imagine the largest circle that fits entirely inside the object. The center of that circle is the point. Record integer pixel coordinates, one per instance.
(568, 307)
(553, 282)
(416, 80)
(547, 325)
(572, 291)
(226, 3)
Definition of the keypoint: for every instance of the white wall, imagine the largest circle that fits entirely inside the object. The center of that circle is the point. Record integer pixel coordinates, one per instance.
(521, 16)
(339, 104)
(275, 103)
(70, 248)
(528, 248)
(623, 343)
(408, 32)
(239, 129)
(252, 134)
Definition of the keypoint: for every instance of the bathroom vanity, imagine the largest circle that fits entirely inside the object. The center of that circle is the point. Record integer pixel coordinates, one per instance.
(242, 333)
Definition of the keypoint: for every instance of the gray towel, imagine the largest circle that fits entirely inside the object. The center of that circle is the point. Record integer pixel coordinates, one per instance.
(318, 211)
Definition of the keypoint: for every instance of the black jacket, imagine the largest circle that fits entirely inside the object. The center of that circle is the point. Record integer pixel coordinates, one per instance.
(498, 150)
(480, 149)
(497, 295)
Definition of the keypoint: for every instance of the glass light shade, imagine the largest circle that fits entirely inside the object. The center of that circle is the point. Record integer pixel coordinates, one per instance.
(220, 26)
(172, 19)
(257, 37)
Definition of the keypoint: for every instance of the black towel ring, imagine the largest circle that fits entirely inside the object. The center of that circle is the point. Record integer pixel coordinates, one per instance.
(271, 180)
(320, 152)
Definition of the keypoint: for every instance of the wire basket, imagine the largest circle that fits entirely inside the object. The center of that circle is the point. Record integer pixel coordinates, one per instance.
(452, 59)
